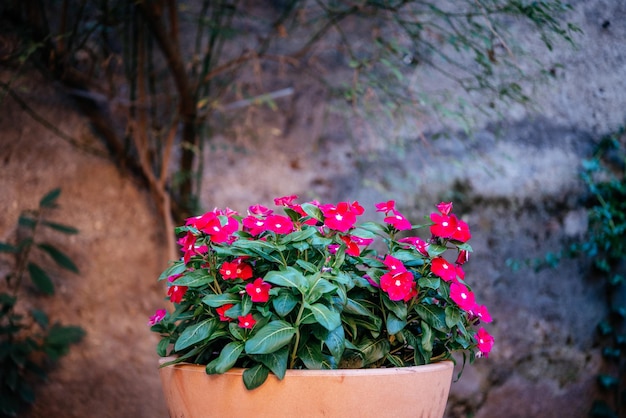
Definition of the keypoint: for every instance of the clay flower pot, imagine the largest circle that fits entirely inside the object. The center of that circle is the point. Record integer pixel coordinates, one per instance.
(418, 391)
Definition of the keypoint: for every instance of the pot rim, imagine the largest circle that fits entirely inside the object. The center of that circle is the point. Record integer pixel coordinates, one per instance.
(426, 368)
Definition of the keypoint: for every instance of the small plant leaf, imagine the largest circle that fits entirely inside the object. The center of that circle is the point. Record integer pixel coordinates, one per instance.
(40, 279)
(255, 376)
(227, 358)
(66, 229)
(49, 200)
(194, 334)
(59, 257)
(26, 221)
(270, 338)
(7, 248)
(326, 317)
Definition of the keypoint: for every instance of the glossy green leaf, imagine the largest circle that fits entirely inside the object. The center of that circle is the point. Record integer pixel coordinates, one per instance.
(435, 250)
(215, 301)
(195, 278)
(326, 317)
(255, 376)
(336, 342)
(313, 211)
(374, 350)
(195, 333)
(427, 337)
(227, 358)
(59, 257)
(394, 324)
(284, 303)
(276, 361)
(433, 315)
(162, 346)
(290, 277)
(173, 269)
(272, 337)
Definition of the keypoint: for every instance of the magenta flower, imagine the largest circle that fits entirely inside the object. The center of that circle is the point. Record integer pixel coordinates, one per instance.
(444, 225)
(398, 221)
(420, 245)
(462, 258)
(246, 321)
(339, 218)
(221, 311)
(462, 232)
(157, 317)
(481, 312)
(397, 285)
(258, 290)
(444, 208)
(442, 268)
(236, 269)
(259, 210)
(386, 207)
(393, 264)
(485, 341)
(176, 293)
(462, 296)
(285, 200)
(254, 225)
(279, 224)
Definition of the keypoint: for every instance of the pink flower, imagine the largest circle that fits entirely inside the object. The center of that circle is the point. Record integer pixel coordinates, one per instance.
(462, 258)
(341, 217)
(221, 311)
(462, 232)
(393, 264)
(351, 247)
(397, 285)
(259, 210)
(258, 290)
(211, 224)
(387, 206)
(157, 317)
(246, 321)
(462, 296)
(285, 200)
(485, 341)
(444, 227)
(236, 269)
(254, 225)
(176, 293)
(420, 245)
(411, 294)
(279, 224)
(481, 312)
(440, 267)
(444, 208)
(460, 272)
(398, 221)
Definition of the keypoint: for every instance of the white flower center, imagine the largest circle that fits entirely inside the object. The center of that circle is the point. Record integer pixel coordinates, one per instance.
(444, 223)
(398, 283)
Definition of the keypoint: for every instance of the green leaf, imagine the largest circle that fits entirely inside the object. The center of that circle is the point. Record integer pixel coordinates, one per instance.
(7, 248)
(433, 315)
(227, 358)
(310, 267)
(40, 318)
(290, 277)
(397, 307)
(284, 303)
(236, 331)
(40, 279)
(326, 317)
(276, 361)
(174, 269)
(195, 278)
(215, 301)
(317, 287)
(66, 229)
(49, 200)
(194, 334)
(373, 351)
(429, 282)
(162, 346)
(434, 250)
(27, 222)
(336, 342)
(270, 338)
(313, 211)
(453, 316)
(60, 258)
(59, 338)
(356, 308)
(313, 358)
(255, 376)
(427, 338)
(297, 236)
(394, 324)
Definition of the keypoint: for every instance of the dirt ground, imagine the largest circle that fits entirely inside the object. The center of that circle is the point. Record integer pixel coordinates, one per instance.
(119, 251)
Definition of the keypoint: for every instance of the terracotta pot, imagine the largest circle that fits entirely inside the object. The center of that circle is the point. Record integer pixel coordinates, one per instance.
(419, 391)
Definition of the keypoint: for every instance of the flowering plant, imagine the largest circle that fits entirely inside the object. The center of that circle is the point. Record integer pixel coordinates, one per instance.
(310, 288)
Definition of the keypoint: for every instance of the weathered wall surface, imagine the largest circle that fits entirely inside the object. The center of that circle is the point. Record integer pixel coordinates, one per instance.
(516, 182)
